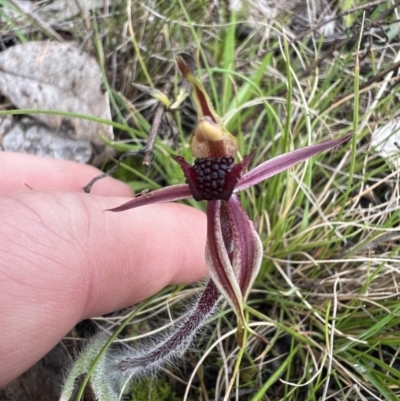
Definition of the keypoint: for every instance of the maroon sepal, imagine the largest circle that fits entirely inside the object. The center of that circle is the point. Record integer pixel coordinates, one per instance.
(166, 194)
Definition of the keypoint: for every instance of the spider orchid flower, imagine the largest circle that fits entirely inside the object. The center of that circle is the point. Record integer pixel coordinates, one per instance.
(234, 250)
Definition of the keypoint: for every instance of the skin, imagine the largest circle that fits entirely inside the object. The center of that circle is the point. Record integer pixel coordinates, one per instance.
(62, 259)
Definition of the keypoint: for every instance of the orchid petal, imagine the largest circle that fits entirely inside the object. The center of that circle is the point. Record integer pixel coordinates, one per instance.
(167, 194)
(247, 246)
(218, 262)
(285, 161)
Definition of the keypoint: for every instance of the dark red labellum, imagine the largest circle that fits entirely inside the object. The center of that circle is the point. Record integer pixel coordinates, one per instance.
(212, 179)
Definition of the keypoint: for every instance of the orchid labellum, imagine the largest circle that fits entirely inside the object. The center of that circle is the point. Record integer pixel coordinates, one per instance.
(234, 250)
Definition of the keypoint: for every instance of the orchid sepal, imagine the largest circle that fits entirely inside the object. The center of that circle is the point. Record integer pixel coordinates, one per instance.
(203, 104)
(211, 138)
(281, 163)
(166, 194)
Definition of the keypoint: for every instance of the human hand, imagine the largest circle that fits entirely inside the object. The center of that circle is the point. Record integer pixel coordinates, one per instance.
(63, 260)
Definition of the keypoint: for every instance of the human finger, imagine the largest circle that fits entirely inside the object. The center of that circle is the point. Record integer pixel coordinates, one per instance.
(63, 259)
(21, 171)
